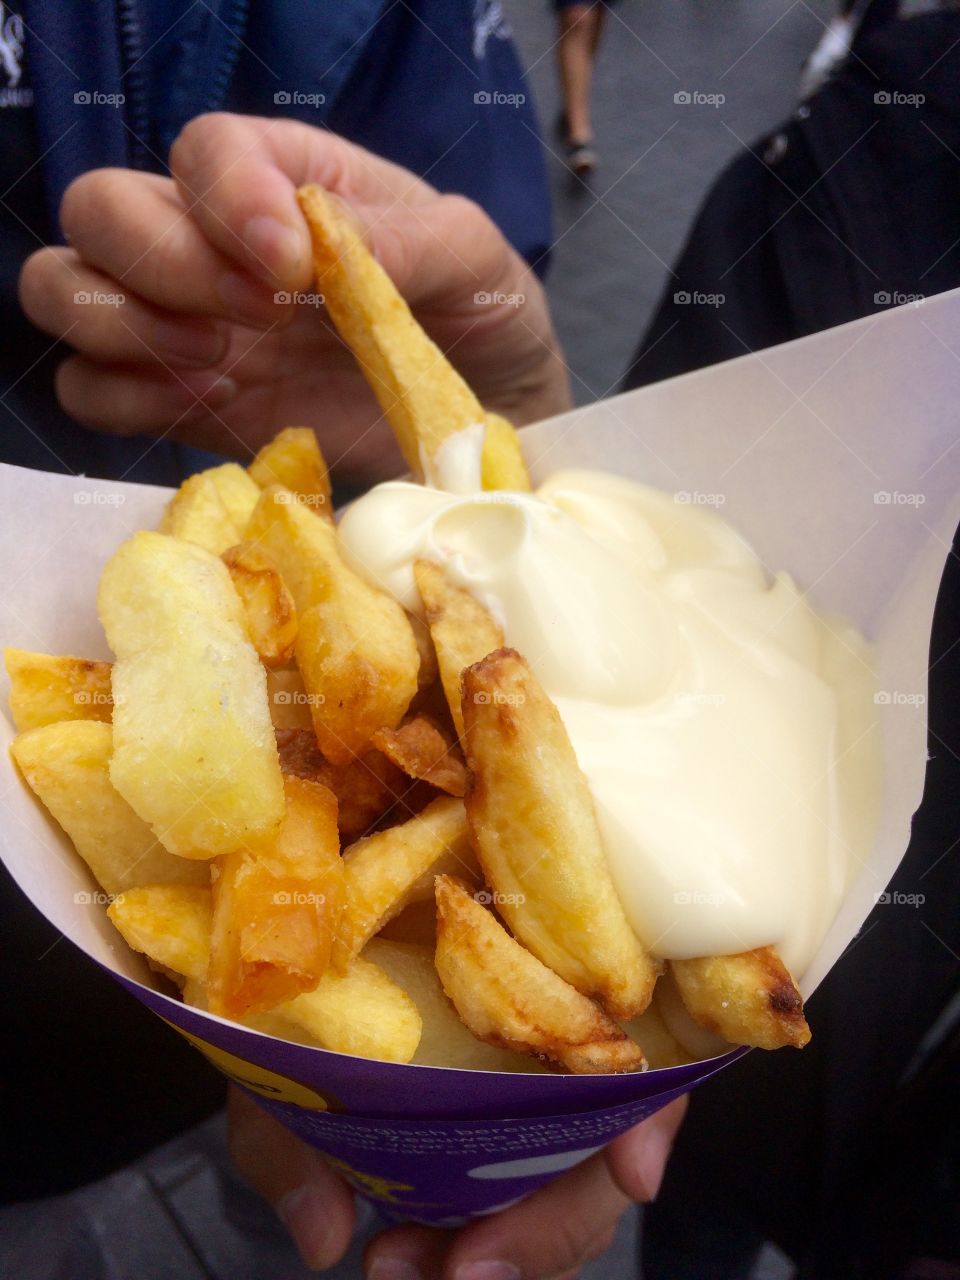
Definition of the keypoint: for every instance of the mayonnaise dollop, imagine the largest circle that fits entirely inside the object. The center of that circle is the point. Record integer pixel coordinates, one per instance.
(723, 726)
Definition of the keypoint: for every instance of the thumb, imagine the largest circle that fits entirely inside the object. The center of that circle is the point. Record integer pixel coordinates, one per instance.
(238, 176)
(314, 1204)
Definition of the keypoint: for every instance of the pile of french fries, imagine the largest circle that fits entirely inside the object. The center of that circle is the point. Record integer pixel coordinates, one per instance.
(330, 819)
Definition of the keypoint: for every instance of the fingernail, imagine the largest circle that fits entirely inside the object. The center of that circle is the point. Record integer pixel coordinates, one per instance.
(191, 344)
(273, 249)
(244, 299)
(487, 1271)
(652, 1162)
(394, 1269)
(211, 388)
(303, 1212)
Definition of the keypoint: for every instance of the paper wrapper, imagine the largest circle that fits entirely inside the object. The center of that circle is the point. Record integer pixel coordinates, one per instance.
(834, 455)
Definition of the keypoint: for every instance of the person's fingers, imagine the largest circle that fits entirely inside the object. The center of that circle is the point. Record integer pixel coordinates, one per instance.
(129, 401)
(312, 1202)
(408, 1252)
(135, 229)
(66, 298)
(638, 1158)
(238, 175)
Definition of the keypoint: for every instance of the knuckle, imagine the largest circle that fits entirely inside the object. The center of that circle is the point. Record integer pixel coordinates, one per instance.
(201, 140)
(89, 199)
(38, 280)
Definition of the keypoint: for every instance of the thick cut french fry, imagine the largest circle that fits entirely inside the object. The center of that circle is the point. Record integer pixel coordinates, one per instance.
(68, 767)
(445, 1041)
(422, 750)
(194, 751)
(535, 831)
(381, 869)
(502, 465)
(355, 647)
(211, 508)
(277, 910)
(422, 396)
(365, 788)
(463, 630)
(293, 459)
(507, 997)
(45, 689)
(169, 923)
(749, 998)
(268, 607)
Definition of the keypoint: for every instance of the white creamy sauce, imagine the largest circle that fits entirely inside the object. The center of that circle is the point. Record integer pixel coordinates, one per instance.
(723, 726)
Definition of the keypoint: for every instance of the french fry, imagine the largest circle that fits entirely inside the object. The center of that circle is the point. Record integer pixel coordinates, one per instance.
(533, 823)
(278, 908)
(421, 749)
(289, 701)
(381, 869)
(355, 648)
(293, 459)
(502, 465)
(361, 1012)
(194, 752)
(445, 1040)
(463, 630)
(365, 788)
(45, 689)
(169, 923)
(211, 508)
(422, 396)
(271, 616)
(508, 998)
(749, 998)
(67, 765)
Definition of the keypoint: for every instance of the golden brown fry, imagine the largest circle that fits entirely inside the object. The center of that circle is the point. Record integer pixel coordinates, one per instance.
(463, 630)
(507, 997)
(211, 508)
(277, 909)
(381, 869)
(46, 689)
(68, 766)
(170, 923)
(749, 998)
(194, 752)
(365, 787)
(445, 1041)
(293, 459)
(429, 671)
(535, 831)
(502, 465)
(423, 397)
(355, 647)
(268, 607)
(421, 749)
(289, 701)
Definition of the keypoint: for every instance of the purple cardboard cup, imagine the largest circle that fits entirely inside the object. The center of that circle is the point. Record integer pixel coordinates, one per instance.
(834, 456)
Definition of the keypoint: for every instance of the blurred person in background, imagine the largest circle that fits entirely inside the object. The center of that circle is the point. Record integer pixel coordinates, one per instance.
(579, 26)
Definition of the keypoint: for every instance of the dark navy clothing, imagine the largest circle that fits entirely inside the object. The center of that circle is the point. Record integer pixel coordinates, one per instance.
(433, 85)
